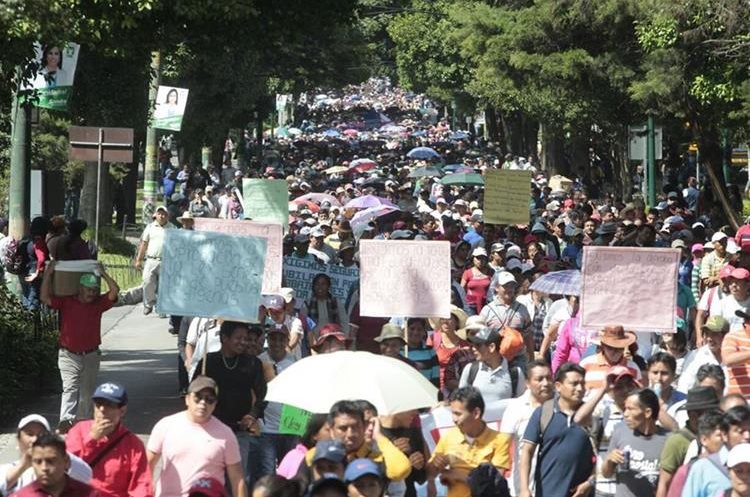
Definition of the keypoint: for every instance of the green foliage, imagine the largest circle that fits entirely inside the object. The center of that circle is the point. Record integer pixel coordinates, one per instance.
(28, 352)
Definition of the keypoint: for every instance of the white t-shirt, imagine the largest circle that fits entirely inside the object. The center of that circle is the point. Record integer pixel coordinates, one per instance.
(515, 418)
(727, 308)
(191, 450)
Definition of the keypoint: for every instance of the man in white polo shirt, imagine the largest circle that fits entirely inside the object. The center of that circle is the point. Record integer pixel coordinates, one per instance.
(152, 242)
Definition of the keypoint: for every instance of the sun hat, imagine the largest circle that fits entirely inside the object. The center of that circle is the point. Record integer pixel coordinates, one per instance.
(455, 311)
(700, 399)
(616, 337)
(388, 331)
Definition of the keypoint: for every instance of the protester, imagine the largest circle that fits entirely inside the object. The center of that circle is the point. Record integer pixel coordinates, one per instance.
(150, 251)
(50, 461)
(116, 455)
(194, 444)
(80, 337)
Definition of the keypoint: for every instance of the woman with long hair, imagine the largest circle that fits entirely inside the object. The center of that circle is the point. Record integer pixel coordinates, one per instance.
(323, 308)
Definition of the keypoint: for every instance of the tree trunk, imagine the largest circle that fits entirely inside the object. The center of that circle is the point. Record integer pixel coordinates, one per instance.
(87, 210)
(490, 124)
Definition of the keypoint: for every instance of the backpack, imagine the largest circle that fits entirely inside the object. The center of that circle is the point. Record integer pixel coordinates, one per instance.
(514, 376)
(16, 257)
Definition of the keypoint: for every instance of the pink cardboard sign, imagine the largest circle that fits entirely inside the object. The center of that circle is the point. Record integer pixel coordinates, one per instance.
(629, 286)
(270, 232)
(405, 278)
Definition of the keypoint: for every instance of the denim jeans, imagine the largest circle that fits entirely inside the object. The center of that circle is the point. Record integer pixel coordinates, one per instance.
(274, 447)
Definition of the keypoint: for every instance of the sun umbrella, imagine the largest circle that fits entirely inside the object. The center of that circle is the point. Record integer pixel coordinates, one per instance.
(423, 153)
(422, 172)
(367, 215)
(304, 204)
(331, 133)
(565, 282)
(319, 198)
(351, 132)
(317, 382)
(459, 135)
(294, 131)
(362, 165)
(336, 170)
(367, 201)
(463, 179)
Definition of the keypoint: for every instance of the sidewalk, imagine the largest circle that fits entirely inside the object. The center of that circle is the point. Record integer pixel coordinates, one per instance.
(138, 352)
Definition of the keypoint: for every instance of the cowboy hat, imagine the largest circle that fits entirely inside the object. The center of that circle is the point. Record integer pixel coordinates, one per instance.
(455, 311)
(616, 337)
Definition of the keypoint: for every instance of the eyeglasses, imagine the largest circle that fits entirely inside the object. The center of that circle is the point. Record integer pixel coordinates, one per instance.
(208, 399)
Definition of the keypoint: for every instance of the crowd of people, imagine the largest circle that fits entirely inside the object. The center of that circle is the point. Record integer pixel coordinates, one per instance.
(604, 413)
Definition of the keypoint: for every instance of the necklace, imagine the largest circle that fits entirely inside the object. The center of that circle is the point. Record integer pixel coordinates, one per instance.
(224, 360)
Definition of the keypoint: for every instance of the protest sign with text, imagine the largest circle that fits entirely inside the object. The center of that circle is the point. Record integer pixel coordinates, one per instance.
(405, 278)
(266, 200)
(506, 196)
(208, 274)
(299, 274)
(635, 287)
(270, 232)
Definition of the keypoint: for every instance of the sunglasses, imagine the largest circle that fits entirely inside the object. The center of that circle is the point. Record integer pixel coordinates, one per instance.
(208, 399)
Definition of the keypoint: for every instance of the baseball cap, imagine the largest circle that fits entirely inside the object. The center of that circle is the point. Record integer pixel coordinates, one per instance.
(740, 273)
(497, 247)
(726, 272)
(33, 418)
(513, 264)
(210, 487)
(504, 277)
(697, 247)
(362, 467)
(331, 330)
(287, 294)
(484, 336)
(275, 302)
(89, 280)
(661, 206)
(479, 252)
(739, 454)
(111, 392)
(514, 251)
(330, 450)
(161, 208)
(316, 232)
(718, 236)
(441, 200)
(678, 244)
(328, 480)
(716, 324)
(620, 372)
(202, 383)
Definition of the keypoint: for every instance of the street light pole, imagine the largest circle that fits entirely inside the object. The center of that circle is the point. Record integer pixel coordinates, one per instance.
(651, 161)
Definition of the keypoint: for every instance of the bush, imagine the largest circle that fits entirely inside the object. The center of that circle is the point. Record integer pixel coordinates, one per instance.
(28, 353)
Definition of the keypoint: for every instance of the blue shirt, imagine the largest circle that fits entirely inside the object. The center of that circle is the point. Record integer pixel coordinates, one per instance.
(566, 456)
(705, 479)
(473, 238)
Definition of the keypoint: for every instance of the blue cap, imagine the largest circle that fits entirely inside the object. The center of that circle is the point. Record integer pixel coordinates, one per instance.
(661, 206)
(111, 392)
(362, 467)
(330, 450)
(328, 480)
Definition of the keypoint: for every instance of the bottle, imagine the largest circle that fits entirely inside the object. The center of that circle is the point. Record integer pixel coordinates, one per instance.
(624, 466)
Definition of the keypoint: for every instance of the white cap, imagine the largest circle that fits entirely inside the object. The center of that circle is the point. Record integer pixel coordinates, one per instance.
(504, 277)
(513, 250)
(732, 247)
(479, 251)
(440, 200)
(287, 293)
(33, 418)
(718, 236)
(739, 454)
(275, 302)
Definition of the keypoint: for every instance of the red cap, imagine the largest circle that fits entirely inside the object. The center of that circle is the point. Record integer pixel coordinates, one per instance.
(328, 331)
(740, 274)
(207, 486)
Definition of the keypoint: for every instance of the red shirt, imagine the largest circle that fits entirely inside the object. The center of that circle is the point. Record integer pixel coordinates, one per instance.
(80, 324)
(73, 488)
(123, 471)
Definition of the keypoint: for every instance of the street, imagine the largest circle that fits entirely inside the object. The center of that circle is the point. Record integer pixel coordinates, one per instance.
(138, 352)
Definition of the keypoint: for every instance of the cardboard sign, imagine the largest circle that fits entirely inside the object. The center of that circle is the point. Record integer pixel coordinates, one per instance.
(405, 278)
(632, 287)
(293, 420)
(266, 200)
(65, 279)
(211, 275)
(299, 274)
(270, 232)
(506, 196)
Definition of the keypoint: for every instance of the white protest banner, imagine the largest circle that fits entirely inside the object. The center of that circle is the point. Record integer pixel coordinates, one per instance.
(211, 275)
(299, 274)
(272, 233)
(629, 286)
(439, 420)
(405, 278)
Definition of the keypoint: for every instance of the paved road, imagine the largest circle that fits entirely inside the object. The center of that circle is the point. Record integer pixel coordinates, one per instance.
(138, 352)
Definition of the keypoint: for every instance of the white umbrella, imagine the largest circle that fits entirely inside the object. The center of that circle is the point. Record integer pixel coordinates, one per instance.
(317, 382)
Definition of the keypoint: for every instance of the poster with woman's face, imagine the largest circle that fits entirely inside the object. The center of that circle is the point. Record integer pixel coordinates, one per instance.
(170, 107)
(55, 68)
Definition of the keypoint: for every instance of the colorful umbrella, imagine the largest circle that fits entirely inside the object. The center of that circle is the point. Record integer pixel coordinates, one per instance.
(367, 215)
(424, 172)
(318, 198)
(367, 201)
(565, 282)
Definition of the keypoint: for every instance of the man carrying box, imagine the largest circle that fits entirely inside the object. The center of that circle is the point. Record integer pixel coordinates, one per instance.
(80, 337)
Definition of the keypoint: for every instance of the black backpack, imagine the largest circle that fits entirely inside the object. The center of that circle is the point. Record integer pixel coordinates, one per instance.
(16, 257)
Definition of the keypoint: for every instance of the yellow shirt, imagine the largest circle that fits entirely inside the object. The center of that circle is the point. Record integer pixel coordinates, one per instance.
(489, 447)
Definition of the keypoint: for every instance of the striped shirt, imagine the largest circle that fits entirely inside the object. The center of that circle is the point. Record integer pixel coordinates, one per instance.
(739, 375)
(426, 362)
(597, 367)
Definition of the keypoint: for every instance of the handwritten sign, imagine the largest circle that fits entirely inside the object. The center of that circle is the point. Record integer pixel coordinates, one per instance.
(211, 275)
(293, 420)
(299, 274)
(629, 286)
(266, 200)
(506, 196)
(270, 232)
(405, 278)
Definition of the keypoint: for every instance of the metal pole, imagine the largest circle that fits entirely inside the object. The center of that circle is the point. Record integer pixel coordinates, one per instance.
(726, 153)
(20, 167)
(651, 161)
(99, 160)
